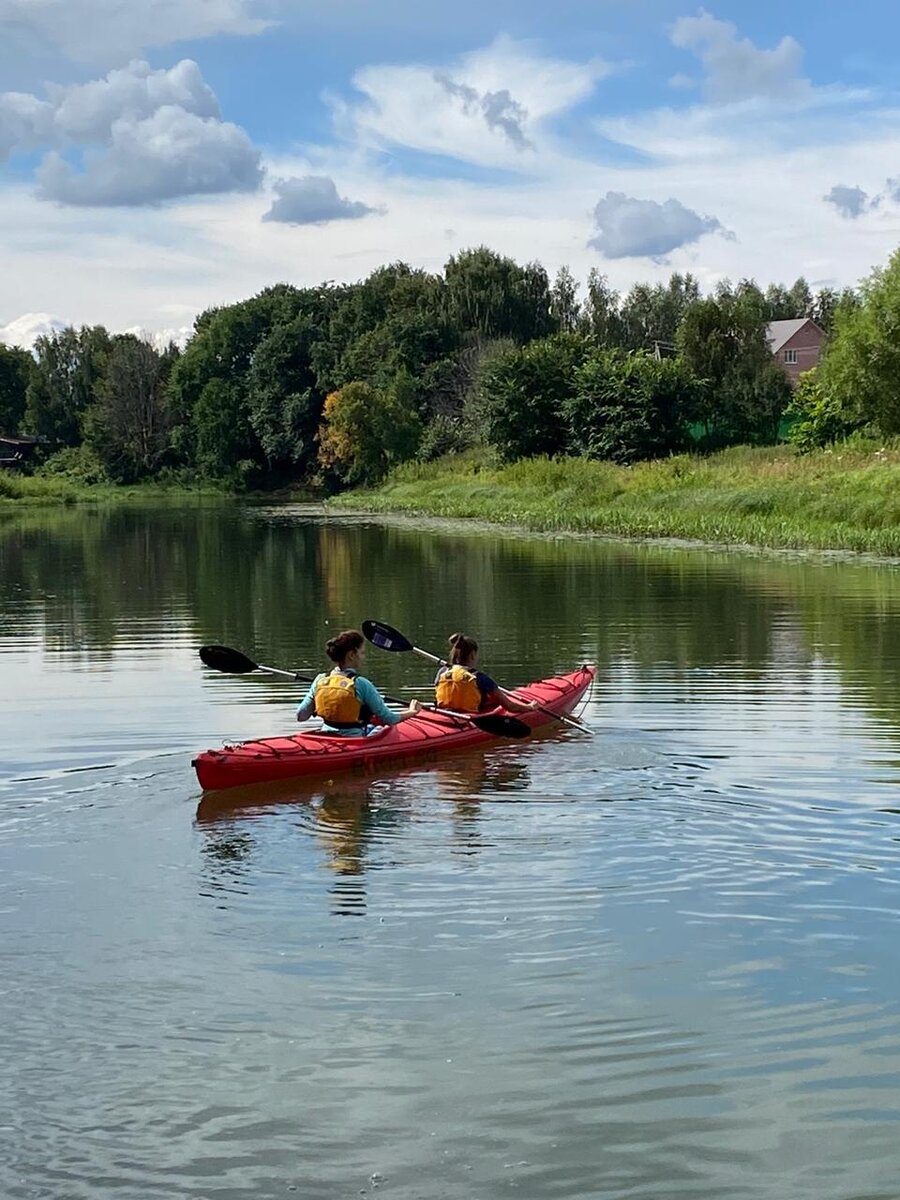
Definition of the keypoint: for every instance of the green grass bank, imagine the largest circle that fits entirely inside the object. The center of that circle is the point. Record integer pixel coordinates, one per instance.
(847, 498)
(36, 490)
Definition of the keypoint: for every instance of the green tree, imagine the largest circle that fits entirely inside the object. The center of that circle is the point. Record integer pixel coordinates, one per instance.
(630, 406)
(16, 366)
(778, 303)
(223, 440)
(816, 416)
(127, 426)
(69, 366)
(523, 395)
(860, 374)
(492, 296)
(722, 341)
(284, 402)
(601, 316)
(801, 298)
(564, 304)
(391, 321)
(829, 303)
(653, 313)
(221, 352)
(366, 431)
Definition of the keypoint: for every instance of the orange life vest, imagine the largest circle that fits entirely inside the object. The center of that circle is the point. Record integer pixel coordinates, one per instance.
(337, 702)
(457, 688)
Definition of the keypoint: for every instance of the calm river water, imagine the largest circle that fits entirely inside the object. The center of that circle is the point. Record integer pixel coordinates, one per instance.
(655, 963)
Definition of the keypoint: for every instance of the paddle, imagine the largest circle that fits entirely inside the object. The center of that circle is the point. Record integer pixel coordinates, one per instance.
(233, 662)
(385, 637)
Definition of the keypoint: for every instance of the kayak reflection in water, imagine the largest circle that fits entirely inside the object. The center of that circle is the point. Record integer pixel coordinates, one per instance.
(348, 703)
(462, 687)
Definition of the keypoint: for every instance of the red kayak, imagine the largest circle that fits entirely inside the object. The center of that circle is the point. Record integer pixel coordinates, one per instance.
(431, 733)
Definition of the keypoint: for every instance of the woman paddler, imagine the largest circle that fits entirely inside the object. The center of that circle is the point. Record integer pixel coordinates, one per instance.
(463, 688)
(346, 701)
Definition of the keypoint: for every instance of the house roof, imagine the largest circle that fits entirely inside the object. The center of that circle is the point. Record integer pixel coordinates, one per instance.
(779, 332)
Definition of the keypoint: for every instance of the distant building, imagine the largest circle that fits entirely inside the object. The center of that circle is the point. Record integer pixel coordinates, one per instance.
(795, 345)
(15, 451)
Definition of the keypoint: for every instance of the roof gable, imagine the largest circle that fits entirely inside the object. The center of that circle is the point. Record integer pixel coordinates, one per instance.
(778, 333)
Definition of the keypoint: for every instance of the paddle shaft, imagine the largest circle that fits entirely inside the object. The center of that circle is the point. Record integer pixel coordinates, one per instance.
(299, 677)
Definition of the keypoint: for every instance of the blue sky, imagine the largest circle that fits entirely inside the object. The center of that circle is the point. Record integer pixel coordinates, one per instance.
(156, 159)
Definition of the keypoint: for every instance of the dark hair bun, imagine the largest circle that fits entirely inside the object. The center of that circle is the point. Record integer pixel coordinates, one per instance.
(337, 648)
(454, 638)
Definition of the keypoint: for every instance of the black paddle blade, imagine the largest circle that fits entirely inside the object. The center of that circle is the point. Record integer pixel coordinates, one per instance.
(385, 637)
(223, 658)
(499, 726)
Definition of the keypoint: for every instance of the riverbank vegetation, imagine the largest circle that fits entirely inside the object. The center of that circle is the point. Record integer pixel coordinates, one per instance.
(332, 387)
(844, 499)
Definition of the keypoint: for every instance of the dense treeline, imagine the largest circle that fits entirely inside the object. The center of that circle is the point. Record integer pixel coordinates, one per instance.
(335, 384)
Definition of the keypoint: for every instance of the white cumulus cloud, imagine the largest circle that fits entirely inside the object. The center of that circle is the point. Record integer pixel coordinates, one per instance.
(161, 157)
(101, 31)
(87, 112)
(136, 136)
(737, 69)
(631, 228)
(25, 330)
(313, 200)
(25, 122)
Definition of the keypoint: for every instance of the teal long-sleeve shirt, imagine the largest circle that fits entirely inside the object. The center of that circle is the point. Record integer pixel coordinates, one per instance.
(366, 692)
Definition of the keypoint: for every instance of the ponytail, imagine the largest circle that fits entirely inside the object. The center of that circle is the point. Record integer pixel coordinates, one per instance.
(461, 649)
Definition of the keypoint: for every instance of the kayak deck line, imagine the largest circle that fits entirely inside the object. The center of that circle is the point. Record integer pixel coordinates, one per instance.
(286, 756)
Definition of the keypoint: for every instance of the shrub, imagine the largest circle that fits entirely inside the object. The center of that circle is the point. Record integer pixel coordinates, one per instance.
(77, 464)
(628, 407)
(524, 393)
(817, 415)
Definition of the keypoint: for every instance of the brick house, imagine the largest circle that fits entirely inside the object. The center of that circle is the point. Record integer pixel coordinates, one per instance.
(796, 345)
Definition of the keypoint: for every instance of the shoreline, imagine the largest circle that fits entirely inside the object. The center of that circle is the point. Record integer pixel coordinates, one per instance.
(838, 506)
(476, 525)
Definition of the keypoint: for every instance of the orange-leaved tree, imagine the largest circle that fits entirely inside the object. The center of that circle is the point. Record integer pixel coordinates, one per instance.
(366, 430)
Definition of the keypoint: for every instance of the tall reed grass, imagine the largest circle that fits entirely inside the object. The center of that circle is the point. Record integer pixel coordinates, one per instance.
(844, 499)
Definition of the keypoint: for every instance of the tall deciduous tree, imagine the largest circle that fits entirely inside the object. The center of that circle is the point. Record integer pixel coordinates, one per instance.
(601, 315)
(283, 401)
(69, 365)
(366, 431)
(723, 343)
(492, 296)
(128, 424)
(564, 304)
(221, 353)
(651, 314)
(860, 375)
(16, 366)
